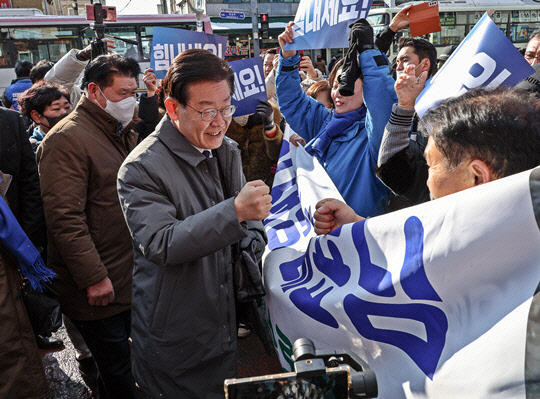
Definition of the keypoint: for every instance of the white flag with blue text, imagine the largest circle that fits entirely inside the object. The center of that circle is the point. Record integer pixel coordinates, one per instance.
(485, 58)
(321, 24)
(436, 298)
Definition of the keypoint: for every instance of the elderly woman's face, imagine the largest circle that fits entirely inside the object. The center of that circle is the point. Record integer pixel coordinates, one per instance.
(347, 104)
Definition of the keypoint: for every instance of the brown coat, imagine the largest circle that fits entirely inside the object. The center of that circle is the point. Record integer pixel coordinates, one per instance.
(78, 162)
(259, 153)
(21, 370)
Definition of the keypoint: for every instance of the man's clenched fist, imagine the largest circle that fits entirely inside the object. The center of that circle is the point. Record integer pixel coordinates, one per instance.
(253, 202)
(101, 293)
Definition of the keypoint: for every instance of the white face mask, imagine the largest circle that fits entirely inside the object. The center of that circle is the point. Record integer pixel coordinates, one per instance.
(399, 73)
(121, 110)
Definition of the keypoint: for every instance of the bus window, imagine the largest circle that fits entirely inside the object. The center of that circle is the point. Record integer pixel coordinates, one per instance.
(378, 19)
(520, 33)
(447, 18)
(122, 48)
(35, 44)
(500, 17)
(448, 35)
(475, 16)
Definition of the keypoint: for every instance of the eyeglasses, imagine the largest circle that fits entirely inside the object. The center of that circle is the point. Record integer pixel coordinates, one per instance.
(208, 114)
(531, 56)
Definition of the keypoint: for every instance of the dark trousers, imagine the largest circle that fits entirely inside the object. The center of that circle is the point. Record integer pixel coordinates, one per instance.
(107, 339)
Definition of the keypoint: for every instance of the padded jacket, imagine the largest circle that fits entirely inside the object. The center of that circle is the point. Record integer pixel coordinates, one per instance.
(352, 155)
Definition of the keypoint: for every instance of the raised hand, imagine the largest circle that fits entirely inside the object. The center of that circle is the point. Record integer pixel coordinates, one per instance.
(408, 87)
(287, 37)
(401, 20)
(150, 81)
(331, 213)
(307, 66)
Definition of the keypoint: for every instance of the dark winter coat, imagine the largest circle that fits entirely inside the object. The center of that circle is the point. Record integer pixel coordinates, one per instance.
(183, 225)
(21, 370)
(88, 237)
(17, 159)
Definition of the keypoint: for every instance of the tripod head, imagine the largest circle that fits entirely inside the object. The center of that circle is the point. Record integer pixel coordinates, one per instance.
(309, 362)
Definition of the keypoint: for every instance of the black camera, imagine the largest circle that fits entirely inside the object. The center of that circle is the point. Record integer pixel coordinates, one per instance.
(318, 375)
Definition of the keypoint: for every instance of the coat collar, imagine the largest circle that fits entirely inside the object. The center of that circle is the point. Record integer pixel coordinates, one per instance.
(101, 118)
(181, 146)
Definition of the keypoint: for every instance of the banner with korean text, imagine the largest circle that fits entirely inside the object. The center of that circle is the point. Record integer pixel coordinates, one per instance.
(485, 58)
(167, 43)
(436, 298)
(320, 24)
(249, 86)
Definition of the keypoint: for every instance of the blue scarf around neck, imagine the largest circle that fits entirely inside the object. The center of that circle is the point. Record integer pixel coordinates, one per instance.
(17, 242)
(336, 127)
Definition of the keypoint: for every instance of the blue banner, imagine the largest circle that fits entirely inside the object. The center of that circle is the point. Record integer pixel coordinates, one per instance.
(485, 58)
(167, 43)
(249, 85)
(322, 24)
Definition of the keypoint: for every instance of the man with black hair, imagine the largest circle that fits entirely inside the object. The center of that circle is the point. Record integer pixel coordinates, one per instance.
(402, 147)
(187, 203)
(90, 248)
(39, 70)
(268, 61)
(473, 139)
(18, 85)
(418, 52)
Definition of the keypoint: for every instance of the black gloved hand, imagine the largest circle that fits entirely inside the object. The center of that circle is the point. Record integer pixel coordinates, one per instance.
(362, 35)
(266, 112)
(360, 39)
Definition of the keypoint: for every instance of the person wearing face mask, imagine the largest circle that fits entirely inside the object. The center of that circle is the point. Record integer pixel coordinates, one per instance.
(45, 104)
(346, 140)
(90, 247)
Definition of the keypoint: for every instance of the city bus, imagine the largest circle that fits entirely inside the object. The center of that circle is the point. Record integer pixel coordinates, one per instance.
(517, 19)
(38, 37)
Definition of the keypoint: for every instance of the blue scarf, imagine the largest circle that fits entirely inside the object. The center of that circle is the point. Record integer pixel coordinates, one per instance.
(17, 242)
(336, 127)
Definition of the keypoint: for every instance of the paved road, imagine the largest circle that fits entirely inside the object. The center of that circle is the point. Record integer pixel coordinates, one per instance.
(61, 369)
(65, 381)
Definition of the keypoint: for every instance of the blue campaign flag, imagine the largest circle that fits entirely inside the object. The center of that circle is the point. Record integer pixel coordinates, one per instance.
(485, 58)
(325, 23)
(249, 86)
(167, 43)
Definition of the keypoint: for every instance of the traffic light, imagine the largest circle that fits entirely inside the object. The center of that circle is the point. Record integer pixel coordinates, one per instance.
(264, 26)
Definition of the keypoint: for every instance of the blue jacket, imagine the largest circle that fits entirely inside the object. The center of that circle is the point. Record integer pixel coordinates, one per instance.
(37, 135)
(352, 156)
(15, 89)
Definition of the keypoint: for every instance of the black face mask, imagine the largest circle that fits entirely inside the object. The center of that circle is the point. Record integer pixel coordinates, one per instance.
(53, 120)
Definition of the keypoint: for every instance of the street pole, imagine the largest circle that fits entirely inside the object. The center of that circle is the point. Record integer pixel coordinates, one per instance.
(164, 8)
(255, 27)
